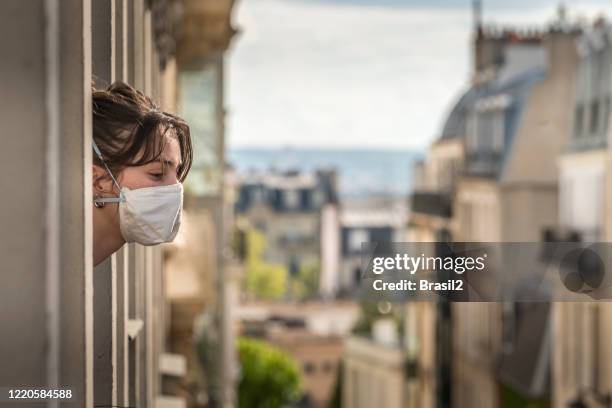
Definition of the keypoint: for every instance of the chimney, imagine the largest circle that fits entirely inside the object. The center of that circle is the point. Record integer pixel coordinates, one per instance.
(477, 15)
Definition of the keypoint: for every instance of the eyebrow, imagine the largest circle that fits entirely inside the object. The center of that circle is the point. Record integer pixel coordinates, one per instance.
(165, 162)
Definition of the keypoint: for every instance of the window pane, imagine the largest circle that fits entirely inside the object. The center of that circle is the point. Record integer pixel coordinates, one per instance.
(198, 106)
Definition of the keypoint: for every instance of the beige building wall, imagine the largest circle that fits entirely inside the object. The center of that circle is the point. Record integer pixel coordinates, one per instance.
(318, 357)
(444, 163)
(438, 174)
(97, 332)
(330, 251)
(582, 363)
(530, 179)
(527, 211)
(547, 120)
(581, 356)
(478, 209)
(476, 328)
(373, 375)
(477, 333)
(517, 209)
(583, 174)
(423, 349)
(47, 294)
(278, 226)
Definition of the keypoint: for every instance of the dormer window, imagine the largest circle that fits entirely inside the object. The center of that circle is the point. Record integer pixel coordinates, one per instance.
(356, 238)
(486, 131)
(594, 122)
(291, 199)
(592, 110)
(591, 121)
(579, 121)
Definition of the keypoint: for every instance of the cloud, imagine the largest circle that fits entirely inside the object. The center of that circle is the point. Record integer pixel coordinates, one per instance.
(335, 74)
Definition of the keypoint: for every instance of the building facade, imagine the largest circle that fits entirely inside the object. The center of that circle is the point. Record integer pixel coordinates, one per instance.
(376, 221)
(100, 333)
(298, 214)
(582, 372)
(506, 133)
(509, 195)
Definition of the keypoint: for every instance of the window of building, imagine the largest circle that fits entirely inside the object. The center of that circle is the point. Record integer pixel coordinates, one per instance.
(258, 195)
(356, 237)
(497, 134)
(594, 123)
(309, 367)
(357, 276)
(291, 199)
(201, 113)
(579, 121)
(317, 198)
(606, 118)
(472, 133)
(486, 131)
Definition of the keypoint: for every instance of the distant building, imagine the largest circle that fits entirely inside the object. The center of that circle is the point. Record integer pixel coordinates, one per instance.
(582, 367)
(318, 357)
(491, 177)
(297, 212)
(372, 222)
(379, 370)
(374, 375)
(312, 333)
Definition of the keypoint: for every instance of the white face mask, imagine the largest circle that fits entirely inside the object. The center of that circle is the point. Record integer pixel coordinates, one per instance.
(150, 215)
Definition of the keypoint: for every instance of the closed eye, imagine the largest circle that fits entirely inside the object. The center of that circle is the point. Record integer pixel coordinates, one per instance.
(157, 176)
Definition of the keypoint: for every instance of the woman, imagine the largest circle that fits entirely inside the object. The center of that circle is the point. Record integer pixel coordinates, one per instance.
(141, 157)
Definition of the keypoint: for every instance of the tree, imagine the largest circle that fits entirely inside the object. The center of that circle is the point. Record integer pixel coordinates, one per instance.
(270, 378)
(263, 280)
(306, 283)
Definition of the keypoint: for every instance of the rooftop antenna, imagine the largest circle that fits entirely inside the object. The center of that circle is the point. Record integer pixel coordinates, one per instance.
(477, 14)
(562, 13)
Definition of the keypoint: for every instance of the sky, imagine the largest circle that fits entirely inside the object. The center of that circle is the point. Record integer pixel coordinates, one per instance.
(365, 74)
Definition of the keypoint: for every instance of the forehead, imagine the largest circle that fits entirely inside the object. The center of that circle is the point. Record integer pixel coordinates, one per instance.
(171, 151)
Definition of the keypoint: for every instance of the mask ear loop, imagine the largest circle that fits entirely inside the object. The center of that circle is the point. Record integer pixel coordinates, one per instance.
(103, 200)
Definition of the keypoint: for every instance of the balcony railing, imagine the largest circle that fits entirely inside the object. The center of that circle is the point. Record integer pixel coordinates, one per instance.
(558, 235)
(432, 203)
(483, 163)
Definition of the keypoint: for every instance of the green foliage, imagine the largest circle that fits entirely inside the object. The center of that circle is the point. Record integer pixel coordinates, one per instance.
(336, 400)
(270, 378)
(263, 280)
(306, 284)
(512, 399)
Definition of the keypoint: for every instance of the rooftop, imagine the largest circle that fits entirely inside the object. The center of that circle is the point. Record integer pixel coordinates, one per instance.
(511, 34)
(285, 180)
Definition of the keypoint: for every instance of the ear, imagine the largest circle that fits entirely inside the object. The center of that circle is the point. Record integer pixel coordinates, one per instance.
(101, 181)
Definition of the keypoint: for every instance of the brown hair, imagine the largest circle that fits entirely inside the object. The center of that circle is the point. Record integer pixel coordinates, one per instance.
(129, 129)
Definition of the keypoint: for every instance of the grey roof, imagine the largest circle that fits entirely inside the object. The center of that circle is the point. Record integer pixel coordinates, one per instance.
(518, 87)
(456, 122)
(513, 90)
(455, 125)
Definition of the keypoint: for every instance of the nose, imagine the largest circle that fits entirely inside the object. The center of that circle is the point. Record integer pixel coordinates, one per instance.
(172, 178)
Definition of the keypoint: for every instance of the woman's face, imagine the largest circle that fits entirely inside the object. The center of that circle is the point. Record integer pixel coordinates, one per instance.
(158, 173)
(107, 231)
